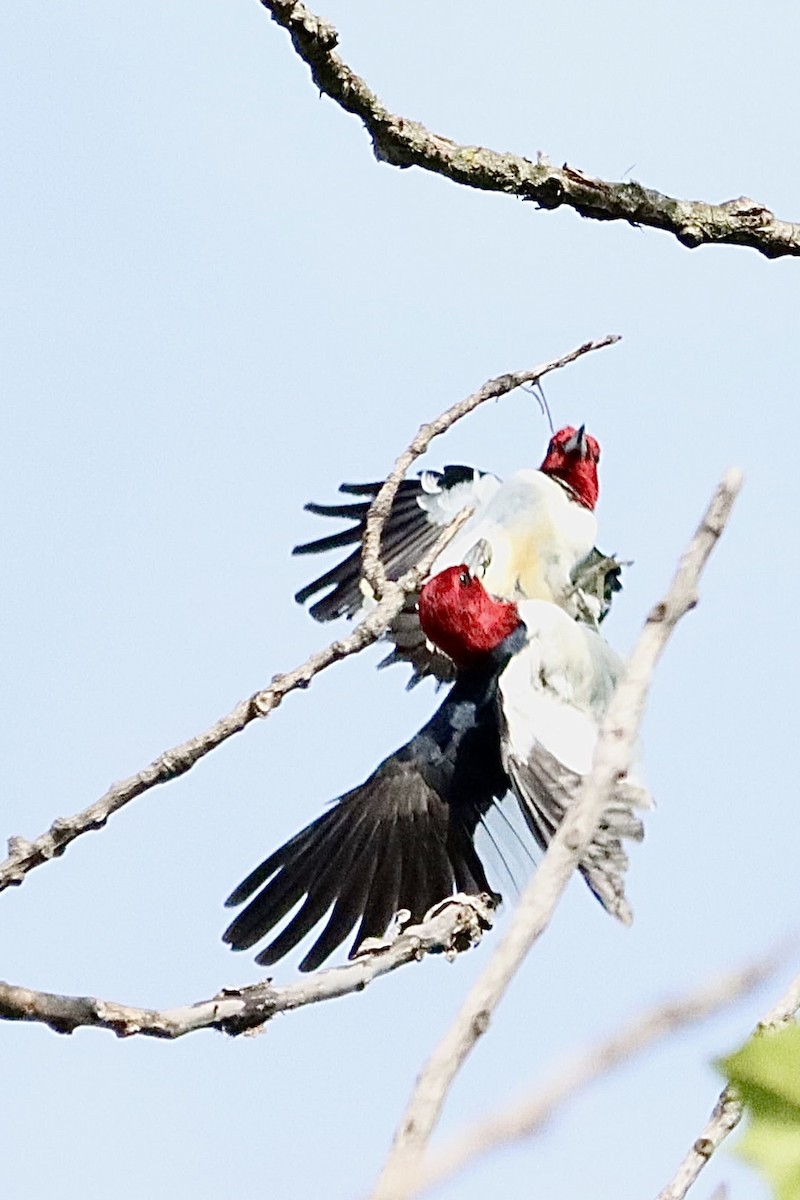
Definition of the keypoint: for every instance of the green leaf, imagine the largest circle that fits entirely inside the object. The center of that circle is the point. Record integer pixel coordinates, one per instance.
(766, 1072)
(774, 1148)
(768, 1062)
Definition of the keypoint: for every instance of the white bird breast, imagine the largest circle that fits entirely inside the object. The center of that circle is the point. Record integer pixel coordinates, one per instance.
(534, 528)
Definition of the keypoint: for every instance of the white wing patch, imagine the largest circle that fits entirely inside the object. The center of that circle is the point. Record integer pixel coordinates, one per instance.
(553, 696)
(443, 504)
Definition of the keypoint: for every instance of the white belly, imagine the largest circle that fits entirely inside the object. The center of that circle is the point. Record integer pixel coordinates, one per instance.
(536, 534)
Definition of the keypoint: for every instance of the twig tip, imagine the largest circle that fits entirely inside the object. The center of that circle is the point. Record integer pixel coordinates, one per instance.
(733, 480)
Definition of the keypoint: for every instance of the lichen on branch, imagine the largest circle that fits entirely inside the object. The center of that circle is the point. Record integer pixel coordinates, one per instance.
(404, 143)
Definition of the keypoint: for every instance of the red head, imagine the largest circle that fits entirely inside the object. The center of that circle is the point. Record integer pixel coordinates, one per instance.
(461, 618)
(572, 457)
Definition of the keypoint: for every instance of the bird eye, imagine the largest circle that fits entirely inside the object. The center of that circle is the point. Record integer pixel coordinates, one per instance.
(464, 579)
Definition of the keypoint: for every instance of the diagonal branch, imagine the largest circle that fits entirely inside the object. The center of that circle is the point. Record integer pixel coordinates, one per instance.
(380, 508)
(728, 1110)
(613, 754)
(527, 1117)
(450, 928)
(404, 143)
(24, 855)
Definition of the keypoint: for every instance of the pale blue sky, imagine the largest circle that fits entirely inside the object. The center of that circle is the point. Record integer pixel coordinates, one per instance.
(215, 306)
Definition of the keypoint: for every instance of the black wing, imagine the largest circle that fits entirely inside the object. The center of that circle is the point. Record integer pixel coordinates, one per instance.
(409, 532)
(403, 839)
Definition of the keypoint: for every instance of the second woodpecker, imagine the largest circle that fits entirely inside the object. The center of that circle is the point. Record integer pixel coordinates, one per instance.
(532, 687)
(536, 531)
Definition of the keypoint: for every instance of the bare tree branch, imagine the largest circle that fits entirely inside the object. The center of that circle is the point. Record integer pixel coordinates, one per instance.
(728, 1111)
(527, 1117)
(494, 388)
(613, 754)
(24, 855)
(450, 928)
(404, 143)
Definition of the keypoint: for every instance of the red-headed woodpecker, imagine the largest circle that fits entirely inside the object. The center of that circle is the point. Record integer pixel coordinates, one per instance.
(536, 533)
(552, 695)
(531, 688)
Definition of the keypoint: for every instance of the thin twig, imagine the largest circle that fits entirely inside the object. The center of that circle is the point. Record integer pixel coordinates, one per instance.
(24, 855)
(613, 754)
(450, 928)
(404, 143)
(728, 1110)
(493, 389)
(527, 1117)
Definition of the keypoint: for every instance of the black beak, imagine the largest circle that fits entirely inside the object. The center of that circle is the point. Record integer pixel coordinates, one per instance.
(577, 443)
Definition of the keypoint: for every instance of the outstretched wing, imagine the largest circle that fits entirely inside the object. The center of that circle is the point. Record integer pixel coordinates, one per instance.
(552, 696)
(402, 840)
(388, 845)
(420, 509)
(545, 790)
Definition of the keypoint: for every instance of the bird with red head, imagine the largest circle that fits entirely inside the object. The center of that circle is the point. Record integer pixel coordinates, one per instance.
(531, 688)
(536, 532)
(572, 457)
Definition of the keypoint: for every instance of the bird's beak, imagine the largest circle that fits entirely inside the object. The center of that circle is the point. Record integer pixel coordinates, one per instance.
(577, 443)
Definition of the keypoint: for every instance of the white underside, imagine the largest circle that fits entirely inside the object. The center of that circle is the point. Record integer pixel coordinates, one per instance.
(535, 532)
(554, 694)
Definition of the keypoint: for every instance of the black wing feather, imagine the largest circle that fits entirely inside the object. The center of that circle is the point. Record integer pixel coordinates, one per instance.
(385, 895)
(409, 532)
(342, 919)
(403, 839)
(321, 892)
(298, 868)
